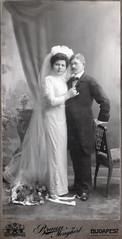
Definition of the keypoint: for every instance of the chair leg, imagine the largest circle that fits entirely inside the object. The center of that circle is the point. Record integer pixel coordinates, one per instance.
(96, 173)
(108, 180)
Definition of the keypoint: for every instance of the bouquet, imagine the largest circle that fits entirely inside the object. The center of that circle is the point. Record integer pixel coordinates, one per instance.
(29, 195)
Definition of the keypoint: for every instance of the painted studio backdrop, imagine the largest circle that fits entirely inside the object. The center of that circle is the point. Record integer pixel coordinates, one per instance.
(29, 30)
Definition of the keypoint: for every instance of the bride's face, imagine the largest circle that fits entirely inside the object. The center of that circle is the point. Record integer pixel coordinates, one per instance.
(59, 67)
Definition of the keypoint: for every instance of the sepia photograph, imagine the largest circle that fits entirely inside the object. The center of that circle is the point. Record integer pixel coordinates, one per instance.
(60, 119)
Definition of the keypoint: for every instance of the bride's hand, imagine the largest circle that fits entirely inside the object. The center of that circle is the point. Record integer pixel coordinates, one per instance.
(73, 92)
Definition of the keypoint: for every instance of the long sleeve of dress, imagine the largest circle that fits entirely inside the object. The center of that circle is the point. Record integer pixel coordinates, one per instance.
(49, 93)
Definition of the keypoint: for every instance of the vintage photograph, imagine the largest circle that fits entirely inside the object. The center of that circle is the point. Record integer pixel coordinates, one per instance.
(60, 116)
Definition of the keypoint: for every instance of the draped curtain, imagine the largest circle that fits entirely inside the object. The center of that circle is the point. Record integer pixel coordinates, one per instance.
(30, 24)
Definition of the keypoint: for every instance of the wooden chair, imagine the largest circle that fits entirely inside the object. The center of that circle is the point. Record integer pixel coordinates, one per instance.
(103, 154)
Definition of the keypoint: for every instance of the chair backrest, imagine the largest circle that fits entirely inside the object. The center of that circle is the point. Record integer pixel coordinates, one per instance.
(101, 142)
(103, 155)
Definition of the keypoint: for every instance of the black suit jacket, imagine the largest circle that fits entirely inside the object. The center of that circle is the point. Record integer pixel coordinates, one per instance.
(79, 110)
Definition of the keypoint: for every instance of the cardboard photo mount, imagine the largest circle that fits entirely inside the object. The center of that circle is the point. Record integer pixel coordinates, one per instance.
(90, 27)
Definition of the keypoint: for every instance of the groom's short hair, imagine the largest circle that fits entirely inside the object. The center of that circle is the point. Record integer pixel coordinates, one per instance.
(80, 57)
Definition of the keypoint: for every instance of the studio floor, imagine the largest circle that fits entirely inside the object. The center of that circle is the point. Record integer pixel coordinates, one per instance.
(97, 207)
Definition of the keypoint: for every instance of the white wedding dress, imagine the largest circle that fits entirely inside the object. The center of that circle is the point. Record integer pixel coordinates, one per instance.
(43, 159)
(40, 169)
(56, 134)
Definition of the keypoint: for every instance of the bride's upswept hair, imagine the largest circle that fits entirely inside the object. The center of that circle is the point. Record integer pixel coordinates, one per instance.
(57, 57)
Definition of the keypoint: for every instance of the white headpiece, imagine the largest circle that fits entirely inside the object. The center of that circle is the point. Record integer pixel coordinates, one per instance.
(46, 66)
(62, 49)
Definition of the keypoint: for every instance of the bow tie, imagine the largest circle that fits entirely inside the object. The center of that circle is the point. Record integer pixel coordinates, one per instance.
(75, 78)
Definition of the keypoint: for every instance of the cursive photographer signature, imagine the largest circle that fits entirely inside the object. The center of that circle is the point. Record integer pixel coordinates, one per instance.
(60, 231)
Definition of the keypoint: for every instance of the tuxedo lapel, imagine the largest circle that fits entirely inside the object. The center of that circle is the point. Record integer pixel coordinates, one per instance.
(69, 83)
(82, 78)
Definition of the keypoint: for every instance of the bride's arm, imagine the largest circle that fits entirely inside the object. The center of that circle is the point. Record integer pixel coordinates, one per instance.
(48, 92)
(50, 95)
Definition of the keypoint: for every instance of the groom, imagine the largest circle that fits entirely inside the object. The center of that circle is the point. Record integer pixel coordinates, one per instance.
(80, 123)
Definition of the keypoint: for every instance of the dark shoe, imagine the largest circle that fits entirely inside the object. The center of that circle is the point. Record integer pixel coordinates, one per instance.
(84, 197)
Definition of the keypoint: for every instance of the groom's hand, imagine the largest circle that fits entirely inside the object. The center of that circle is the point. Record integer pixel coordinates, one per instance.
(98, 122)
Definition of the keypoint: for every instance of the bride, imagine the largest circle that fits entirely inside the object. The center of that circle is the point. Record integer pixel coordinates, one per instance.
(41, 166)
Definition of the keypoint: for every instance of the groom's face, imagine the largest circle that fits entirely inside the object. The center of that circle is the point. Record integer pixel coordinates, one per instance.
(76, 66)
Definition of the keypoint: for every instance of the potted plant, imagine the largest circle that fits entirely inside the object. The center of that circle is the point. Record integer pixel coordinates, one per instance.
(23, 116)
